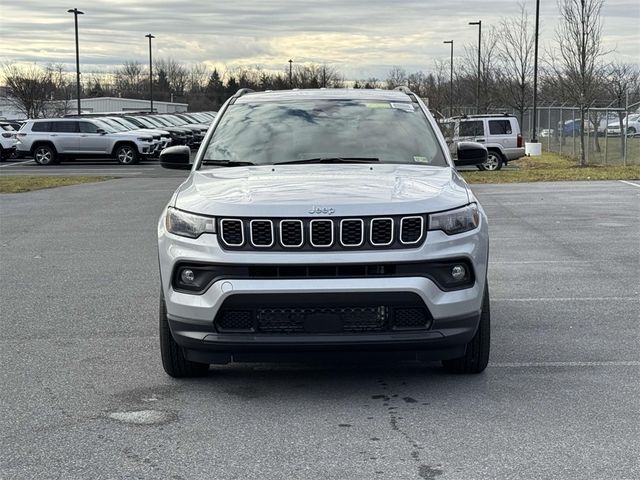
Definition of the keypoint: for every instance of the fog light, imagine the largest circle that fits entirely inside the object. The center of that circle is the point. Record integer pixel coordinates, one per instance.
(187, 276)
(458, 272)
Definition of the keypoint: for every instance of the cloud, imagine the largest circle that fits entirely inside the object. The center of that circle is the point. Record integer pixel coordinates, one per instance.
(362, 37)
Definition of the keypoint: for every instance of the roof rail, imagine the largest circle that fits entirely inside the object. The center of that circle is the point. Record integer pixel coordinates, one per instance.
(243, 91)
(403, 89)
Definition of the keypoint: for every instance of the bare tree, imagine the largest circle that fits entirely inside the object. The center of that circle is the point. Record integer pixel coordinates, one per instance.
(198, 76)
(577, 64)
(515, 52)
(176, 74)
(129, 79)
(622, 81)
(488, 69)
(30, 88)
(397, 76)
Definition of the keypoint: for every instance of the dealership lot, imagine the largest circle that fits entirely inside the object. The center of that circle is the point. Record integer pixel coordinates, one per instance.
(85, 395)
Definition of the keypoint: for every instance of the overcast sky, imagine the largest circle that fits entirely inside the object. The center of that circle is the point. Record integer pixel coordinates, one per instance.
(361, 38)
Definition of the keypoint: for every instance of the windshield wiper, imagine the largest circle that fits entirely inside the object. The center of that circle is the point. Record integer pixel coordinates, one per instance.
(226, 163)
(332, 160)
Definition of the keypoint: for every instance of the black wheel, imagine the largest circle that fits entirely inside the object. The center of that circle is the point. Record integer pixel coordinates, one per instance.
(45, 155)
(126, 155)
(494, 162)
(476, 357)
(631, 131)
(173, 360)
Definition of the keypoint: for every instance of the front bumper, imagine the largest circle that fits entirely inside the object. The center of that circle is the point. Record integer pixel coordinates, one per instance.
(455, 314)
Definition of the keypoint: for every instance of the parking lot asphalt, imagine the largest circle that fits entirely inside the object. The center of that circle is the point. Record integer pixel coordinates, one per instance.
(81, 365)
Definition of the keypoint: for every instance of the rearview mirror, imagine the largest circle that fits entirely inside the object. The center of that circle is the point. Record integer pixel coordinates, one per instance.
(470, 153)
(101, 131)
(177, 157)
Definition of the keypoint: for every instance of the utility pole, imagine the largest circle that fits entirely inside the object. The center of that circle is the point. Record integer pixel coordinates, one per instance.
(479, 24)
(451, 81)
(290, 73)
(535, 76)
(149, 36)
(77, 12)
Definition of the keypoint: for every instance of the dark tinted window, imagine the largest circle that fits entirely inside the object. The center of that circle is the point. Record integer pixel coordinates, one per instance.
(65, 127)
(270, 132)
(499, 127)
(88, 127)
(41, 127)
(471, 129)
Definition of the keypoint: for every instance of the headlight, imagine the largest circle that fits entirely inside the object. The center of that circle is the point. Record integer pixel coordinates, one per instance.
(187, 224)
(455, 221)
(145, 139)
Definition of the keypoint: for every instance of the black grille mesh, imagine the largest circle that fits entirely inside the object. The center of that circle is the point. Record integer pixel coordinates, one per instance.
(232, 232)
(410, 318)
(262, 233)
(411, 229)
(292, 320)
(381, 231)
(327, 233)
(353, 319)
(231, 320)
(351, 232)
(291, 233)
(321, 233)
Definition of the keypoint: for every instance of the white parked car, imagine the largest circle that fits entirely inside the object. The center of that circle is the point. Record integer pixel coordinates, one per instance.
(7, 141)
(632, 128)
(323, 222)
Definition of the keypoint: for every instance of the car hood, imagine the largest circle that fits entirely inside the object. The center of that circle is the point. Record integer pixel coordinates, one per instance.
(293, 190)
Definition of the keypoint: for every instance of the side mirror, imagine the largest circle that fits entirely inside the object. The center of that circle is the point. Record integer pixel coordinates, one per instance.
(101, 131)
(470, 153)
(177, 157)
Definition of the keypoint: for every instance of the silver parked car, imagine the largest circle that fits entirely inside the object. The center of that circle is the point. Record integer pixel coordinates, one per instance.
(499, 133)
(323, 223)
(51, 140)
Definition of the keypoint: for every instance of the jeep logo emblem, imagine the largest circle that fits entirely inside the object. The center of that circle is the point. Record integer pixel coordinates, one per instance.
(321, 211)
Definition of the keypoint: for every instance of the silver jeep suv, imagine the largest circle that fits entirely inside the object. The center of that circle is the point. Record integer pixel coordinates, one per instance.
(499, 133)
(51, 140)
(323, 223)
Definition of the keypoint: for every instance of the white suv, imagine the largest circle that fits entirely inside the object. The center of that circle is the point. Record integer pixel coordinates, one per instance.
(50, 140)
(499, 133)
(7, 141)
(323, 223)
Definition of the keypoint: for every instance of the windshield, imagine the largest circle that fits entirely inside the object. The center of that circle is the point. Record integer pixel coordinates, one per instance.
(114, 125)
(265, 133)
(104, 125)
(143, 122)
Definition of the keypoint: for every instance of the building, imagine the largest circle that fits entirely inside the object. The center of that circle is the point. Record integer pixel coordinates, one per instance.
(115, 104)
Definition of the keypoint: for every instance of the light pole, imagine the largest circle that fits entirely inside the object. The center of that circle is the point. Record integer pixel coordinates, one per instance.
(290, 73)
(451, 81)
(479, 23)
(149, 36)
(77, 12)
(535, 77)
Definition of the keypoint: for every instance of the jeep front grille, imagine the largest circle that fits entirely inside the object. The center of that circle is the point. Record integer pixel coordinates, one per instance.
(323, 233)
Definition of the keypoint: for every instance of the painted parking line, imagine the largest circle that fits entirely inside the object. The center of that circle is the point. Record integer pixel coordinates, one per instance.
(614, 363)
(15, 163)
(630, 183)
(567, 299)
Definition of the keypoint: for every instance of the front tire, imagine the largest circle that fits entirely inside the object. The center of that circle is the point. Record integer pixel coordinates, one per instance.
(126, 155)
(44, 155)
(476, 357)
(493, 163)
(173, 360)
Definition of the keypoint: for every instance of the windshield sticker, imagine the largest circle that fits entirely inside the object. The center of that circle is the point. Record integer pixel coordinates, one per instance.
(377, 105)
(421, 160)
(407, 107)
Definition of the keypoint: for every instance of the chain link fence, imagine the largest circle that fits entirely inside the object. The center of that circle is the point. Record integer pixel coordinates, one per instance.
(559, 130)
